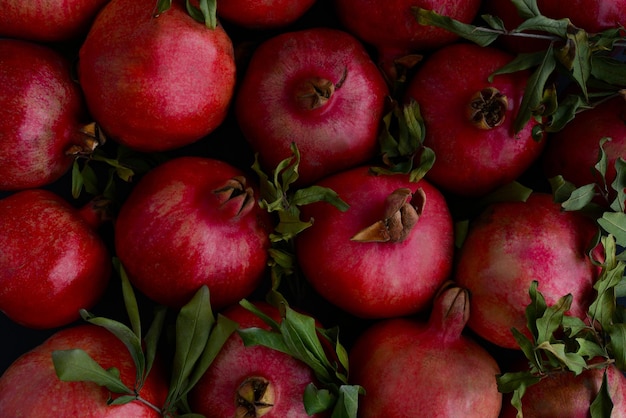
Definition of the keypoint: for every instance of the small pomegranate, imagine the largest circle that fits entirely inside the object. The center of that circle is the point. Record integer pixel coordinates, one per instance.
(411, 368)
(30, 386)
(53, 261)
(193, 221)
(43, 109)
(509, 245)
(470, 121)
(262, 14)
(387, 254)
(155, 83)
(318, 88)
(254, 381)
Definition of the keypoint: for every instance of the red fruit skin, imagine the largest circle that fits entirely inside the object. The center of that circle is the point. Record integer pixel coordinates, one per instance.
(262, 14)
(573, 151)
(156, 83)
(42, 109)
(513, 243)
(375, 279)
(471, 161)
(340, 134)
(31, 388)
(214, 394)
(53, 261)
(406, 366)
(173, 235)
(48, 20)
(566, 395)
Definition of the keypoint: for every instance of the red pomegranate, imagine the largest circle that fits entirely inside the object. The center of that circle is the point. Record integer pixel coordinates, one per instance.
(387, 254)
(156, 83)
(410, 368)
(509, 245)
(53, 261)
(470, 120)
(30, 386)
(252, 381)
(318, 88)
(43, 113)
(262, 14)
(193, 221)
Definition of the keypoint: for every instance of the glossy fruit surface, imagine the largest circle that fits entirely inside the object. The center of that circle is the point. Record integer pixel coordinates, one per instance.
(262, 14)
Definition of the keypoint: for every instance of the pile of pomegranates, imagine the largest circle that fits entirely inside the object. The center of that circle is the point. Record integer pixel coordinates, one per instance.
(343, 209)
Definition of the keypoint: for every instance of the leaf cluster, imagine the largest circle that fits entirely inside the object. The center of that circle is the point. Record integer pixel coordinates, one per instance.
(205, 12)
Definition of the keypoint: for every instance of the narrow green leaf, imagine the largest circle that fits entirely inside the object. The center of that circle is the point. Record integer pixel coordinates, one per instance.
(552, 319)
(615, 223)
(153, 336)
(526, 8)
(90, 179)
(77, 179)
(574, 326)
(617, 344)
(521, 62)
(512, 381)
(602, 405)
(608, 69)
(317, 400)
(315, 193)
(130, 301)
(494, 22)
(472, 33)
(542, 23)
(266, 318)
(535, 309)
(528, 348)
(602, 164)
(121, 400)
(575, 55)
(580, 197)
(590, 349)
(76, 365)
(162, 6)
(561, 189)
(348, 401)
(510, 192)
(619, 185)
(573, 361)
(209, 11)
(566, 111)
(258, 336)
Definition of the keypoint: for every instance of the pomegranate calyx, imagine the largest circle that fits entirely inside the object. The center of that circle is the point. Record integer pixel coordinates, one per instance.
(315, 92)
(402, 211)
(254, 398)
(235, 197)
(88, 139)
(487, 108)
(450, 312)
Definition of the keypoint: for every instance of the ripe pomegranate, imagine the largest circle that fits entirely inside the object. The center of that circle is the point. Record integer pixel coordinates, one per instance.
(509, 245)
(156, 83)
(53, 261)
(48, 20)
(30, 386)
(573, 151)
(387, 254)
(42, 117)
(318, 88)
(393, 30)
(262, 14)
(252, 381)
(563, 394)
(193, 221)
(470, 121)
(406, 365)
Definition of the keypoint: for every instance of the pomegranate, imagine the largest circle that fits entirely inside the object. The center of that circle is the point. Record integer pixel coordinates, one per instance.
(470, 120)
(30, 386)
(171, 76)
(509, 245)
(406, 365)
(193, 221)
(48, 20)
(262, 14)
(318, 88)
(43, 113)
(563, 394)
(387, 254)
(393, 30)
(53, 261)
(252, 381)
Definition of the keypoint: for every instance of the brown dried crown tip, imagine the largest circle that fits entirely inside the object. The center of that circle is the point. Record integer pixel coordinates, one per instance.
(487, 108)
(254, 398)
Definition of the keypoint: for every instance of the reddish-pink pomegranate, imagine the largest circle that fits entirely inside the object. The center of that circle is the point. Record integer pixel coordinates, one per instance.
(30, 386)
(42, 115)
(513, 243)
(392, 28)
(470, 121)
(410, 368)
(318, 88)
(48, 20)
(156, 83)
(387, 254)
(252, 381)
(53, 261)
(262, 14)
(189, 222)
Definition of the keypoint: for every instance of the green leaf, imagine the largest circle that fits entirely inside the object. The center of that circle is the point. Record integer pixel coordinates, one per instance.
(162, 6)
(590, 349)
(535, 309)
(617, 344)
(565, 112)
(528, 348)
(494, 22)
(472, 33)
(317, 400)
(580, 198)
(206, 12)
(266, 318)
(542, 23)
(561, 189)
(258, 336)
(526, 8)
(619, 185)
(153, 335)
(575, 55)
(121, 400)
(76, 365)
(602, 405)
(608, 69)
(521, 62)
(130, 301)
(348, 401)
(574, 326)
(315, 193)
(77, 179)
(615, 223)
(552, 319)
(573, 361)
(510, 192)
(511, 381)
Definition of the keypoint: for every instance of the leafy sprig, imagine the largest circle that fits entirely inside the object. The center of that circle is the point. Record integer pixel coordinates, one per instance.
(205, 11)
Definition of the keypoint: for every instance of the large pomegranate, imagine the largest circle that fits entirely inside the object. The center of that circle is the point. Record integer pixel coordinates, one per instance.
(319, 89)
(410, 368)
(252, 381)
(262, 14)
(156, 83)
(470, 121)
(30, 386)
(193, 221)
(42, 115)
(53, 262)
(387, 254)
(513, 243)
